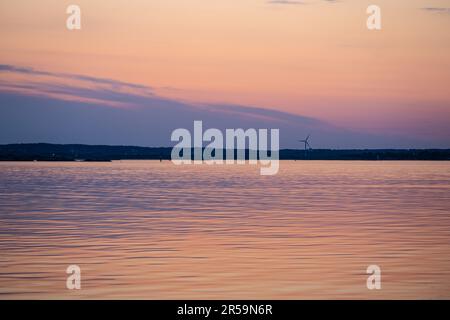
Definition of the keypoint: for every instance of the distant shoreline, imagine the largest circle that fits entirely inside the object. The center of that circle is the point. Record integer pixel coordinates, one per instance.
(81, 152)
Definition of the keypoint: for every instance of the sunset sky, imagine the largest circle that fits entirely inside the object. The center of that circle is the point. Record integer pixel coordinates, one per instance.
(314, 59)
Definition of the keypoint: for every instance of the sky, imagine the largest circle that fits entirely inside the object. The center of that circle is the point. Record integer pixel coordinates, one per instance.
(137, 69)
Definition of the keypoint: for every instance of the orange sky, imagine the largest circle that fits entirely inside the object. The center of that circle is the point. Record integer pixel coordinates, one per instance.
(316, 59)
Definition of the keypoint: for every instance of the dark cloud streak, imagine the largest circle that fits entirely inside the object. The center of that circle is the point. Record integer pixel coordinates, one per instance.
(288, 2)
(437, 10)
(32, 110)
(32, 71)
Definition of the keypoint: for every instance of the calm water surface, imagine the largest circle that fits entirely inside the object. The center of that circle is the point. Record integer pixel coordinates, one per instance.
(145, 229)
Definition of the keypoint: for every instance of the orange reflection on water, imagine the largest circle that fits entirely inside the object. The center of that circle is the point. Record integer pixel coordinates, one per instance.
(145, 229)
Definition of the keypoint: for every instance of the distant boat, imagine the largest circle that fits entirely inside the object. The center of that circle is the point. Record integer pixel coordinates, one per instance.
(79, 160)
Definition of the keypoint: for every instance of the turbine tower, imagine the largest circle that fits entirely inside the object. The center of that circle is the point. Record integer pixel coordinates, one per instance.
(307, 145)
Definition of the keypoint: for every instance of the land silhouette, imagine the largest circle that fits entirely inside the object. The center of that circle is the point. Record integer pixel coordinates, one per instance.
(78, 152)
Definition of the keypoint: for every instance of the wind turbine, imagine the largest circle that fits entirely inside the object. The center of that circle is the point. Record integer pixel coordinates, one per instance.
(307, 145)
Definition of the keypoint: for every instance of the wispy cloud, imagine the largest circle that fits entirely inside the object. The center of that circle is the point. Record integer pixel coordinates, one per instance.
(32, 71)
(437, 10)
(72, 87)
(295, 2)
(289, 2)
(100, 111)
(38, 105)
